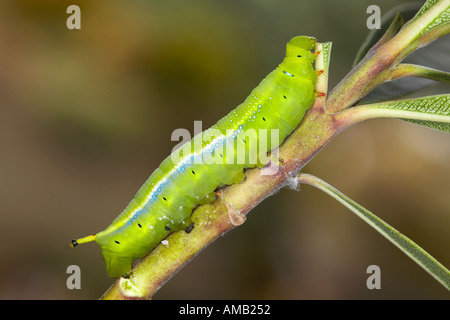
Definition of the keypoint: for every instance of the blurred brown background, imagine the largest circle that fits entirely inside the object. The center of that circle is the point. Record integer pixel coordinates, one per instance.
(87, 115)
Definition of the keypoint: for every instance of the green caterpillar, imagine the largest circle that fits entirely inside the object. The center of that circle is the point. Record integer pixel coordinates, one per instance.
(190, 175)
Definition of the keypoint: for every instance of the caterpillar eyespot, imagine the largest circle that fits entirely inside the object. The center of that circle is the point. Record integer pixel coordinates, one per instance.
(187, 183)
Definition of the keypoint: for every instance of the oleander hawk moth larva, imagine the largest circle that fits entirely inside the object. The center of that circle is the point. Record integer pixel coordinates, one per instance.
(185, 179)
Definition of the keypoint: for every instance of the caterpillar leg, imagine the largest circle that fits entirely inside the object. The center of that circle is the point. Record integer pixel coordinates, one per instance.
(189, 229)
(187, 225)
(209, 198)
(76, 242)
(239, 178)
(262, 161)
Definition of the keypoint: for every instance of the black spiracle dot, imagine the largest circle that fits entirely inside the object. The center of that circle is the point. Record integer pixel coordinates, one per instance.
(299, 56)
(139, 225)
(164, 198)
(116, 241)
(193, 172)
(167, 228)
(285, 97)
(264, 119)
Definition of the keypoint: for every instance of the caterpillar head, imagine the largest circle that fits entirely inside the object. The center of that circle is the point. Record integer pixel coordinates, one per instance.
(300, 48)
(299, 58)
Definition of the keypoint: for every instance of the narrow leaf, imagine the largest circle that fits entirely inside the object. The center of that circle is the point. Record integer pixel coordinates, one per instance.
(433, 125)
(432, 111)
(441, 19)
(409, 247)
(412, 70)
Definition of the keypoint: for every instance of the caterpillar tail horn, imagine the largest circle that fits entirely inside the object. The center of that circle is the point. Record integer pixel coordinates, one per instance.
(75, 242)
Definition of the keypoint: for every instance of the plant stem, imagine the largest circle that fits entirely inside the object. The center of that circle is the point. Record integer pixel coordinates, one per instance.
(375, 68)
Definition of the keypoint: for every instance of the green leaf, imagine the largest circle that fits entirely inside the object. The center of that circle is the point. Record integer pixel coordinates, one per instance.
(413, 70)
(434, 125)
(437, 105)
(432, 111)
(440, 20)
(409, 247)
